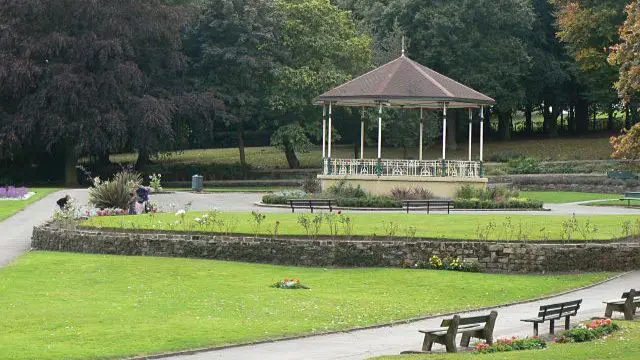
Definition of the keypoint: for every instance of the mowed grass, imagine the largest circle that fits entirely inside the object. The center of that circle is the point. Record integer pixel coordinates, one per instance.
(443, 226)
(588, 148)
(561, 197)
(621, 345)
(79, 306)
(10, 207)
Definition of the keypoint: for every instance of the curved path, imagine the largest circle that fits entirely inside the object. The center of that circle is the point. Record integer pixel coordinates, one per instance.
(361, 344)
(390, 340)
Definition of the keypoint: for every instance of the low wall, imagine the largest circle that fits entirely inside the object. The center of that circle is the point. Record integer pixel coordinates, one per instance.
(382, 185)
(491, 256)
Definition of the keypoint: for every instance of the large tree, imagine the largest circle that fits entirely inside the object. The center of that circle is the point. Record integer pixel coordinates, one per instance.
(322, 49)
(625, 54)
(234, 48)
(87, 77)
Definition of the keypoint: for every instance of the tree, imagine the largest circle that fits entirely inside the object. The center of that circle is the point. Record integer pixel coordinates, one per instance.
(322, 48)
(79, 77)
(624, 54)
(234, 48)
(627, 145)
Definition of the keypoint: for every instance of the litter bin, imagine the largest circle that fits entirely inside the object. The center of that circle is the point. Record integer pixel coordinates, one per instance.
(196, 182)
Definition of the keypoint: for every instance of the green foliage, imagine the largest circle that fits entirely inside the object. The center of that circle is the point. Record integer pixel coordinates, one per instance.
(344, 189)
(117, 193)
(504, 156)
(498, 193)
(436, 263)
(513, 203)
(511, 344)
(524, 165)
(596, 329)
(411, 193)
(311, 185)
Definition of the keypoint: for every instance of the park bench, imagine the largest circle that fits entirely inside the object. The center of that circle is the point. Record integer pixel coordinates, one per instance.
(627, 304)
(631, 196)
(429, 204)
(311, 204)
(479, 327)
(554, 312)
(622, 175)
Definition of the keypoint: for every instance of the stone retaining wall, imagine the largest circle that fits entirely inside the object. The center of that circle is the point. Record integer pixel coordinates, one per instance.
(491, 256)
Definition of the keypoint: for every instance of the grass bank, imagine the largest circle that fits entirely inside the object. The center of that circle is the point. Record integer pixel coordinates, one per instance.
(443, 226)
(78, 306)
(9, 207)
(622, 345)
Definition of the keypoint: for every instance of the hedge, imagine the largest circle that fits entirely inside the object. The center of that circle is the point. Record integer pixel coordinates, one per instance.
(492, 204)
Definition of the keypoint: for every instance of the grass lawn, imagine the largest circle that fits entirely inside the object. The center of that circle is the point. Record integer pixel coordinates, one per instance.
(560, 197)
(588, 148)
(76, 306)
(10, 207)
(454, 226)
(621, 345)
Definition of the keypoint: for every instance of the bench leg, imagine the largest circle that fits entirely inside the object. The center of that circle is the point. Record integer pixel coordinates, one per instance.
(427, 344)
(450, 344)
(608, 311)
(311, 207)
(448, 208)
(552, 326)
(628, 312)
(466, 338)
(427, 208)
(567, 322)
(535, 329)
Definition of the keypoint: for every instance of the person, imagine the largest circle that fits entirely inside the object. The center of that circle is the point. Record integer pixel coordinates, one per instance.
(62, 202)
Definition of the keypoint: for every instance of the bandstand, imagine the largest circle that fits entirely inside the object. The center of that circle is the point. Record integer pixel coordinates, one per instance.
(403, 83)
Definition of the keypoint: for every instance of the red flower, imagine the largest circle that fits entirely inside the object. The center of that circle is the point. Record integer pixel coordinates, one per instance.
(286, 279)
(339, 212)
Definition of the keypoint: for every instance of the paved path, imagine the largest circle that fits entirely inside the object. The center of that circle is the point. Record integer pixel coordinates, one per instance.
(391, 340)
(16, 230)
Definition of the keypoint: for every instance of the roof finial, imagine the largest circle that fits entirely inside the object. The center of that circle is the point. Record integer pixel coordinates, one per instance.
(402, 45)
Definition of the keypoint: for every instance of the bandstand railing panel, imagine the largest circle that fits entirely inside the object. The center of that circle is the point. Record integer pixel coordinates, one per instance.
(389, 167)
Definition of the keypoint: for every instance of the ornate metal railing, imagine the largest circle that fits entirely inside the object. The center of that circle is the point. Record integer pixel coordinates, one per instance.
(385, 167)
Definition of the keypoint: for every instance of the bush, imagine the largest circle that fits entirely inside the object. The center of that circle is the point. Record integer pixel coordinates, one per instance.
(505, 156)
(435, 263)
(311, 185)
(592, 331)
(411, 194)
(346, 190)
(513, 203)
(511, 344)
(524, 165)
(497, 193)
(116, 193)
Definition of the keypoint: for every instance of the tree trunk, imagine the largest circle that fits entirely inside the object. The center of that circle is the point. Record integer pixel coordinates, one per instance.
(582, 116)
(610, 118)
(292, 159)
(243, 158)
(70, 162)
(528, 123)
(571, 122)
(452, 130)
(504, 125)
(144, 159)
(550, 119)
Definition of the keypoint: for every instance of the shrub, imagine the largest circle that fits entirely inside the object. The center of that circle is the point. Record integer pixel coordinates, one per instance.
(592, 331)
(115, 193)
(524, 165)
(436, 263)
(505, 156)
(513, 203)
(497, 193)
(411, 194)
(311, 185)
(344, 189)
(511, 344)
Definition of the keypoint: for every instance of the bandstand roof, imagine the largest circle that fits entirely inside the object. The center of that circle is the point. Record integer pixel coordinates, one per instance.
(404, 83)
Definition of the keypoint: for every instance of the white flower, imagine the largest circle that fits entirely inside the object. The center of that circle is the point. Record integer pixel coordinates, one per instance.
(180, 212)
(206, 216)
(197, 219)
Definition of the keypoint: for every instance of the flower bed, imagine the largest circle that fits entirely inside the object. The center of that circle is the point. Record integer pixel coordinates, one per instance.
(289, 284)
(13, 193)
(511, 344)
(435, 263)
(592, 331)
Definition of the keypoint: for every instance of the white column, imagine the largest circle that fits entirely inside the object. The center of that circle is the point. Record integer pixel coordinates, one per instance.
(324, 130)
(380, 131)
(444, 131)
(481, 132)
(329, 134)
(421, 131)
(362, 134)
(470, 130)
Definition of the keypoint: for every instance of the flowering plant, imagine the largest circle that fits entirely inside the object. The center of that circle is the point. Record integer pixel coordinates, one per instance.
(289, 284)
(11, 192)
(511, 344)
(154, 182)
(587, 332)
(435, 262)
(105, 212)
